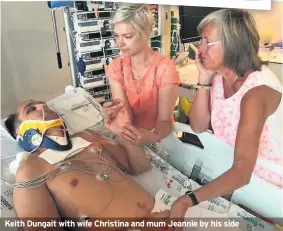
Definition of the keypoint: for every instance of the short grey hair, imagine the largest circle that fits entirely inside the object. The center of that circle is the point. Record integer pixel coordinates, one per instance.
(138, 15)
(239, 37)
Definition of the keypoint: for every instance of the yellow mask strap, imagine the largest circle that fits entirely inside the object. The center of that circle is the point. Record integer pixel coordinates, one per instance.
(42, 126)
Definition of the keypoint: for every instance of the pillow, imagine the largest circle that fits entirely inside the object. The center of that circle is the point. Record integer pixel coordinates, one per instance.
(78, 109)
(9, 148)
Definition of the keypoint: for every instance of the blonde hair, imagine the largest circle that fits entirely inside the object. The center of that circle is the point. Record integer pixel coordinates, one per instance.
(239, 38)
(137, 15)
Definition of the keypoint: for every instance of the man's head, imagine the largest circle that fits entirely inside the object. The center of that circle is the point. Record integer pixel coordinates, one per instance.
(35, 125)
(35, 110)
(29, 110)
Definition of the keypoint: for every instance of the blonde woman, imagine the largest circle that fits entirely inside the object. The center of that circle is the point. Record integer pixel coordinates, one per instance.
(144, 83)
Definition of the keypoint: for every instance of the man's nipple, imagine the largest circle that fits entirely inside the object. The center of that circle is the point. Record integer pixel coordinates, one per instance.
(74, 182)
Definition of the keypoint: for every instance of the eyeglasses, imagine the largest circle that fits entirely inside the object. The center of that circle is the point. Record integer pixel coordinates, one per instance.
(207, 43)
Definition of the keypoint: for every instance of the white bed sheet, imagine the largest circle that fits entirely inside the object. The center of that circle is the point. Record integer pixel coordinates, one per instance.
(165, 178)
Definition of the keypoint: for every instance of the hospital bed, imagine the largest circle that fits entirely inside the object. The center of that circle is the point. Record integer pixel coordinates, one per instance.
(176, 167)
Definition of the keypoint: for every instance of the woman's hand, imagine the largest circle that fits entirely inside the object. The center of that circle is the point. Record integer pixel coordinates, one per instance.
(205, 75)
(139, 136)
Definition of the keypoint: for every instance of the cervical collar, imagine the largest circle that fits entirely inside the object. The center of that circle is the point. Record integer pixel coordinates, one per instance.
(31, 135)
(54, 157)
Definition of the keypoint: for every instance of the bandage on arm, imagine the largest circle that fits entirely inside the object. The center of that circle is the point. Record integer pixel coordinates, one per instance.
(34, 204)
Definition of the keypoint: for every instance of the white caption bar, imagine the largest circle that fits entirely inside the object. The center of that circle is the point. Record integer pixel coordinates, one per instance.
(242, 4)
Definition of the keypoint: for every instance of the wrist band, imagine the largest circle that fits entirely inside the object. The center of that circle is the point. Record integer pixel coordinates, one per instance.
(193, 197)
(203, 86)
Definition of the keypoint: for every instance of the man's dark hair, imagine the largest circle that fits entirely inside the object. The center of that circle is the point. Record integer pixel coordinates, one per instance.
(11, 124)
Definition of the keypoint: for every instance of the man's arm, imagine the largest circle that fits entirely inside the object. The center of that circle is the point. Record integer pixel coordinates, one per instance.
(132, 157)
(35, 204)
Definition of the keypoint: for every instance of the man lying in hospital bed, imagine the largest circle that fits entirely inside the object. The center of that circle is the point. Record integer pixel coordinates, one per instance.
(81, 185)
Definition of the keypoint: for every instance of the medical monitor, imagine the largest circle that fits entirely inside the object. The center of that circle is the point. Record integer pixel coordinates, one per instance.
(190, 17)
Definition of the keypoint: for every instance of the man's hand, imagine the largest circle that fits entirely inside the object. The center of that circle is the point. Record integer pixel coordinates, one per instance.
(139, 136)
(158, 217)
(116, 123)
(112, 108)
(161, 215)
(178, 210)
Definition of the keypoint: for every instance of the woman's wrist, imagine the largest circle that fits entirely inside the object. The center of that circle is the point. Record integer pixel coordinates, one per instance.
(205, 79)
(150, 137)
(184, 202)
(204, 82)
(158, 136)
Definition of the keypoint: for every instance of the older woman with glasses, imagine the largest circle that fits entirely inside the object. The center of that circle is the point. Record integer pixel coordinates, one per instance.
(242, 99)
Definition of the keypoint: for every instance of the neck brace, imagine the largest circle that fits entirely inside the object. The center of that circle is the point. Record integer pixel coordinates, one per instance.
(40, 125)
(31, 136)
(54, 157)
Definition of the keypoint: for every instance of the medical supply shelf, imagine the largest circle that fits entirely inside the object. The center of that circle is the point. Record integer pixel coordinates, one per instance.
(91, 43)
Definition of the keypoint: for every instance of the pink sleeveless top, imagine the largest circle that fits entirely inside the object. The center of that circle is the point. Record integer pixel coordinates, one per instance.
(225, 116)
(142, 94)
